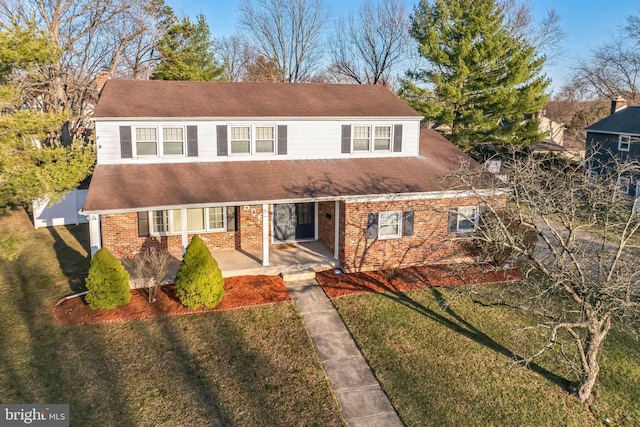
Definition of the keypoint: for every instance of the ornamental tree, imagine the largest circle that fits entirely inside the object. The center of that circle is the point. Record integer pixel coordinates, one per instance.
(107, 282)
(482, 77)
(199, 280)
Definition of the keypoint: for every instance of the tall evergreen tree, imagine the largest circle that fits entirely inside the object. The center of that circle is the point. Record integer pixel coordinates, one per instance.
(186, 50)
(32, 165)
(482, 79)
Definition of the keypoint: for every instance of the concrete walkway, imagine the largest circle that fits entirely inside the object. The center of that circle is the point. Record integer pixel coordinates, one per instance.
(356, 388)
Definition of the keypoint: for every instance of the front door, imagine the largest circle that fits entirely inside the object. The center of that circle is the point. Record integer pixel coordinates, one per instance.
(294, 221)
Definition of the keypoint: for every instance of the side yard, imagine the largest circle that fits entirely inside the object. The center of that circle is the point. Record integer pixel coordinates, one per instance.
(442, 358)
(245, 367)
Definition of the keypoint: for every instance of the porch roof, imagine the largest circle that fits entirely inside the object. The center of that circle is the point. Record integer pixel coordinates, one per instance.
(129, 187)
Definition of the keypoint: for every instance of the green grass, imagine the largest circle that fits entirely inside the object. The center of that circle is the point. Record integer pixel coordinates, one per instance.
(245, 367)
(455, 366)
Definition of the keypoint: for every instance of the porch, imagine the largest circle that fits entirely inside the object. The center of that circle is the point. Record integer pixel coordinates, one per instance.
(283, 258)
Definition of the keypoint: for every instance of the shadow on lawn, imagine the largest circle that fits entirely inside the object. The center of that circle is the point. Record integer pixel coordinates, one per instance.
(463, 327)
(74, 264)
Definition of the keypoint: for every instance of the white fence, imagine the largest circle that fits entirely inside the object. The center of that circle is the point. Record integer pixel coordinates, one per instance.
(64, 212)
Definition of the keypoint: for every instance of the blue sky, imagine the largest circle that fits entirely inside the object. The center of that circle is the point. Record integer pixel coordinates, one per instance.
(587, 23)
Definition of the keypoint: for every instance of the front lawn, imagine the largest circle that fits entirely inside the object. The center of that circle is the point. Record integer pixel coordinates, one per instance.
(245, 367)
(455, 366)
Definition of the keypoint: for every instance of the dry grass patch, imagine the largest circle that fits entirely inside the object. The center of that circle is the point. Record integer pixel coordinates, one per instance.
(246, 367)
(454, 365)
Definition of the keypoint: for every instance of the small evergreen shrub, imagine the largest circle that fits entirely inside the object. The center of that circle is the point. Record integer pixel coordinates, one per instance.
(108, 282)
(199, 280)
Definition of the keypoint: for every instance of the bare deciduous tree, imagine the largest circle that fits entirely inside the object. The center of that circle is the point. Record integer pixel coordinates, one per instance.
(544, 34)
(288, 32)
(235, 55)
(613, 68)
(149, 270)
(581, 276)
(368, 45)
(92, 35)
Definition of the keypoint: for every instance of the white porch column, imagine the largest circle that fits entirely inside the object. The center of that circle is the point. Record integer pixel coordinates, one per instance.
(336, 239)
(95, 239)
(265, 235)
(185, 236)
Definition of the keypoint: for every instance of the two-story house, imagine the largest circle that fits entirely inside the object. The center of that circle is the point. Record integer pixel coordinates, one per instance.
(616, 138)
(255, 165)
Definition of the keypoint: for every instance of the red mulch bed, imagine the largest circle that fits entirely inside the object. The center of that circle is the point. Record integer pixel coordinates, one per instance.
(246, 291)
(422, 277)
(242, 291)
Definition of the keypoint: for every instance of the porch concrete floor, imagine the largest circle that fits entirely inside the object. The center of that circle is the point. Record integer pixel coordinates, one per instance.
(285, 258)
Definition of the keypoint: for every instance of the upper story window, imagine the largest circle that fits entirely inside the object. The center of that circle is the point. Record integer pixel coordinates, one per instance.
(265, 139)
(240, 140)
(252, 139)
(624, 144)
(173, 141)
(170, 143)
(371, 138)
(623, 184)
(147, 141)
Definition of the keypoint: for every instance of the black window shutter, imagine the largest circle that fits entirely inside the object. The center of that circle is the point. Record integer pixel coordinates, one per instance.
(453, 221)
(143, 224)
(125, 142)
(397, 138)
(346, 138)
(231, 218)
(282, 139)
(407, 223)
(372, 226)
(221, 131)
(192, 141)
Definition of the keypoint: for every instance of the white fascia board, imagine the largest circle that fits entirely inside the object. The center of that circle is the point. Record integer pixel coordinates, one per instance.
(614, 133)
(347, 199)
(253, 118)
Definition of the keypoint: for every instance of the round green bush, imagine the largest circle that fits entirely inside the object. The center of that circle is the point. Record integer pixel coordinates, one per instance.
(199, 280)
(108, 282)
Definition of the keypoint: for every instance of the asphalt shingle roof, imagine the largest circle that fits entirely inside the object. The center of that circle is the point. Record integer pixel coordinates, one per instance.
(138, 186)
(625, 121)
(182, 99)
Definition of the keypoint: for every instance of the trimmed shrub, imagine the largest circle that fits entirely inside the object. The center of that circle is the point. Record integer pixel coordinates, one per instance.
(108, 282)
(199, 280)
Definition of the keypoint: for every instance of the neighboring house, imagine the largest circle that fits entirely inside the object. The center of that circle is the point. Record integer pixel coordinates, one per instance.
(254, 165)
(616, 138)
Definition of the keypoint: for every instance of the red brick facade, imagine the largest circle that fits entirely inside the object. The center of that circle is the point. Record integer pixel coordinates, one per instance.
(430, 243)
(120, 234)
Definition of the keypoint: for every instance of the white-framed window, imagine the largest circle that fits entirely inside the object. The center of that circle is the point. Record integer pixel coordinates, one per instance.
(252, 140)
(198, 220)
(371, 138)
(172, 141)
(361, 138)
(623, 184)
(159, 140)
(390, 225)
(625, 141)
(265, 139)
(146, 141)
(382, 138)
(217, 219)
(240, 140)
(592, 175)
(463, 219)
(159, 222)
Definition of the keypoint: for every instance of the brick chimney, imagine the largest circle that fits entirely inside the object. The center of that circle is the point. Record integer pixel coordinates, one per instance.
(618, 103)
(102, 77)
